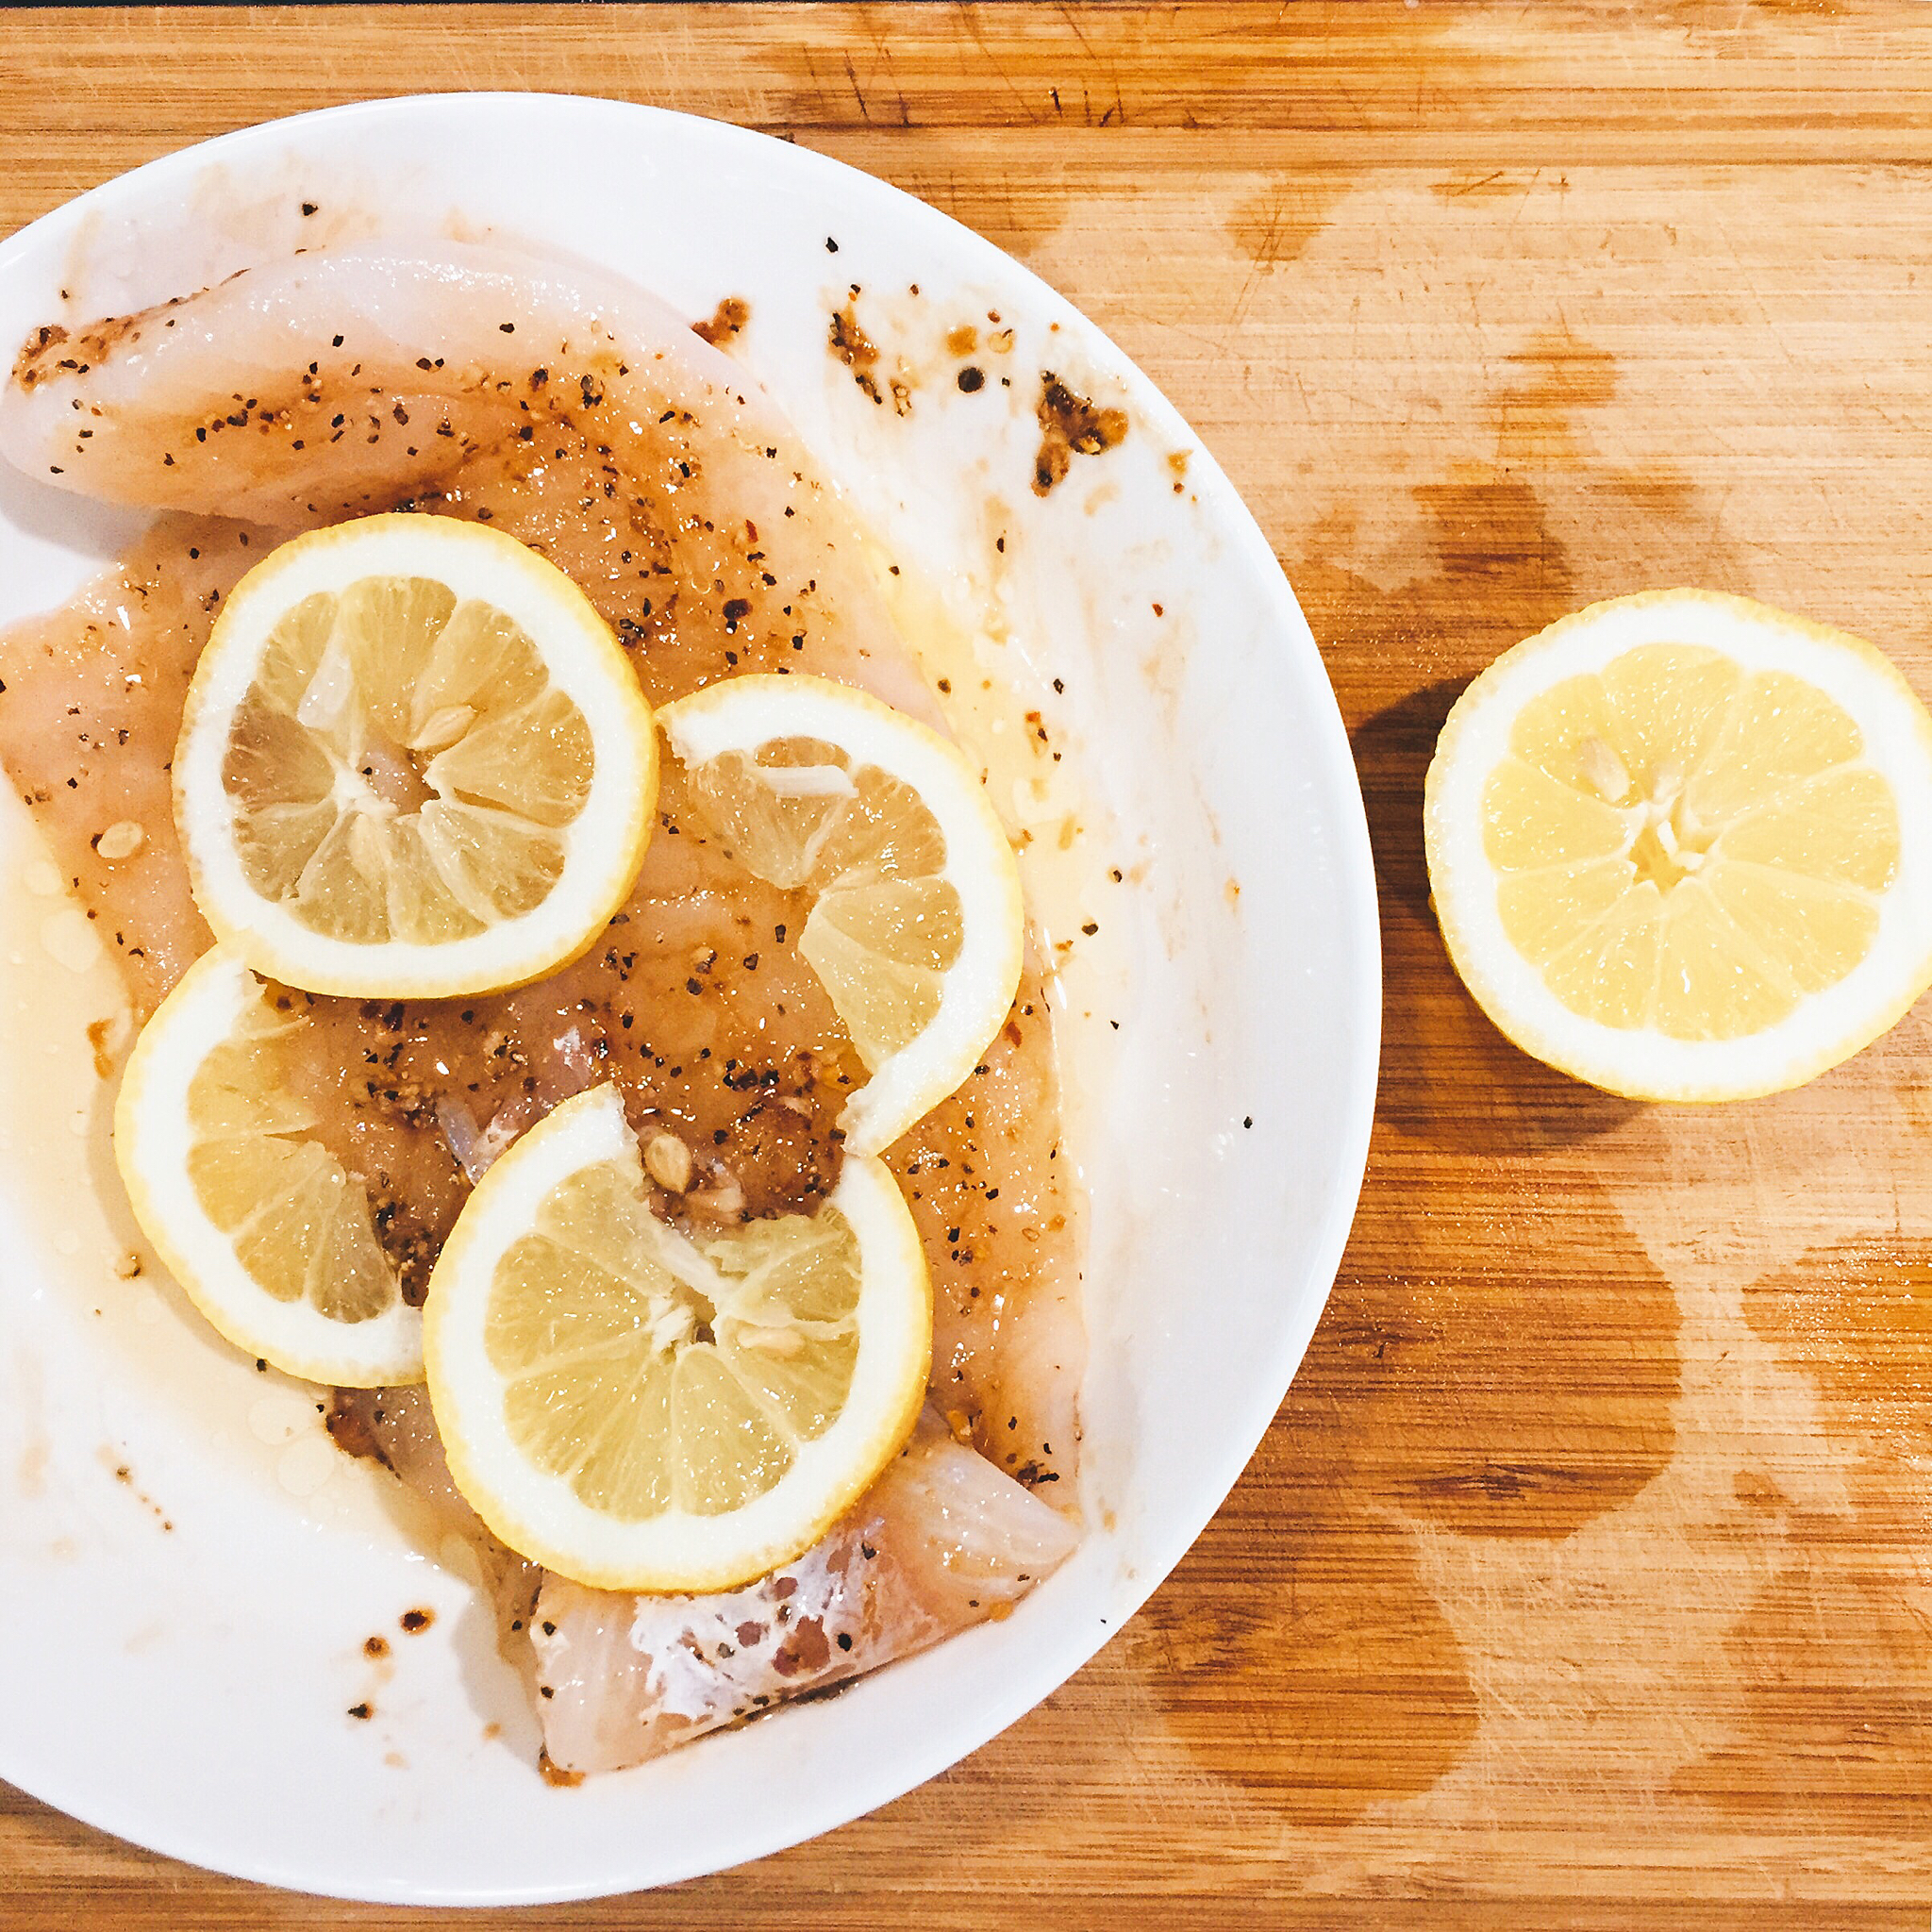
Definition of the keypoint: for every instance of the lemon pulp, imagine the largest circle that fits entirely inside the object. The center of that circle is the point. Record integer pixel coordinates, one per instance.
(915, 927)
(1685, 846)
(655, 1373)
(402, 766)
(298, 1220)
(273, 1237)
(886, 926)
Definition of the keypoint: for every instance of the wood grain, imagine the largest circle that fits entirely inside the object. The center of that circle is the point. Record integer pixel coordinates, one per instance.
(1586, 1577)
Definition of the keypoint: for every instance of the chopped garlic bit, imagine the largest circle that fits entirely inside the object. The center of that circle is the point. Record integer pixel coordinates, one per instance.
(667, 1161)
(122, 839)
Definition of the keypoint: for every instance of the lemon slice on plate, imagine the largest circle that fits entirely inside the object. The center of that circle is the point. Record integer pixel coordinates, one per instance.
(266, 1230)
(1680, 845)
(640, 1410)
(413, 762)
(916, 929)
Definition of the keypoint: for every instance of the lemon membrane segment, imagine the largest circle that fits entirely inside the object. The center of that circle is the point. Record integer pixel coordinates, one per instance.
(1683, 845)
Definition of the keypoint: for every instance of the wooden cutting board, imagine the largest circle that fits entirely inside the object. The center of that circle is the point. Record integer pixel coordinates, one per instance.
(1585, 1578)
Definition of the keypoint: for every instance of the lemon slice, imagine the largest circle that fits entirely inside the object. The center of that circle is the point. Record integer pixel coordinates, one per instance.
(916, 929)
(1680, 845)
(413, 761)
(639, 1410)
(271, 1237)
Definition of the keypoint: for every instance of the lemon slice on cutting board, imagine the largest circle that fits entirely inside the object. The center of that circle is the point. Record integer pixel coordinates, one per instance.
(916, 929)
(1680, 845)
(642, 1409)
(413, 762)
(271, 1237)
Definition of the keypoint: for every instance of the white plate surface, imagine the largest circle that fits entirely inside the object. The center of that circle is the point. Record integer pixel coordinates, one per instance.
(187, 1685)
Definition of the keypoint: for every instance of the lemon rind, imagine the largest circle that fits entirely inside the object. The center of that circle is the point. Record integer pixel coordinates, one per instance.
(538, 1514)
(605, 846)
(1825, 1028)
(151, 1146)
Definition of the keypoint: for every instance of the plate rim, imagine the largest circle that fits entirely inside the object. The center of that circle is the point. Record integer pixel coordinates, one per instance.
(1357, 889)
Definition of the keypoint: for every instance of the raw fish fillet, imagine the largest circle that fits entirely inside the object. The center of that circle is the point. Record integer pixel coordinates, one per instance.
(581, 416)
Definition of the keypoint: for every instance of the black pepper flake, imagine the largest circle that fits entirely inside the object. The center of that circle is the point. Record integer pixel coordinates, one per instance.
(1248, 1119)
(308, 207)
(972, 380)
(362, 1711)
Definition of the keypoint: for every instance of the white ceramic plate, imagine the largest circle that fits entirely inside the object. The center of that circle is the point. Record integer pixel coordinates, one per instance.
(190, 1569)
